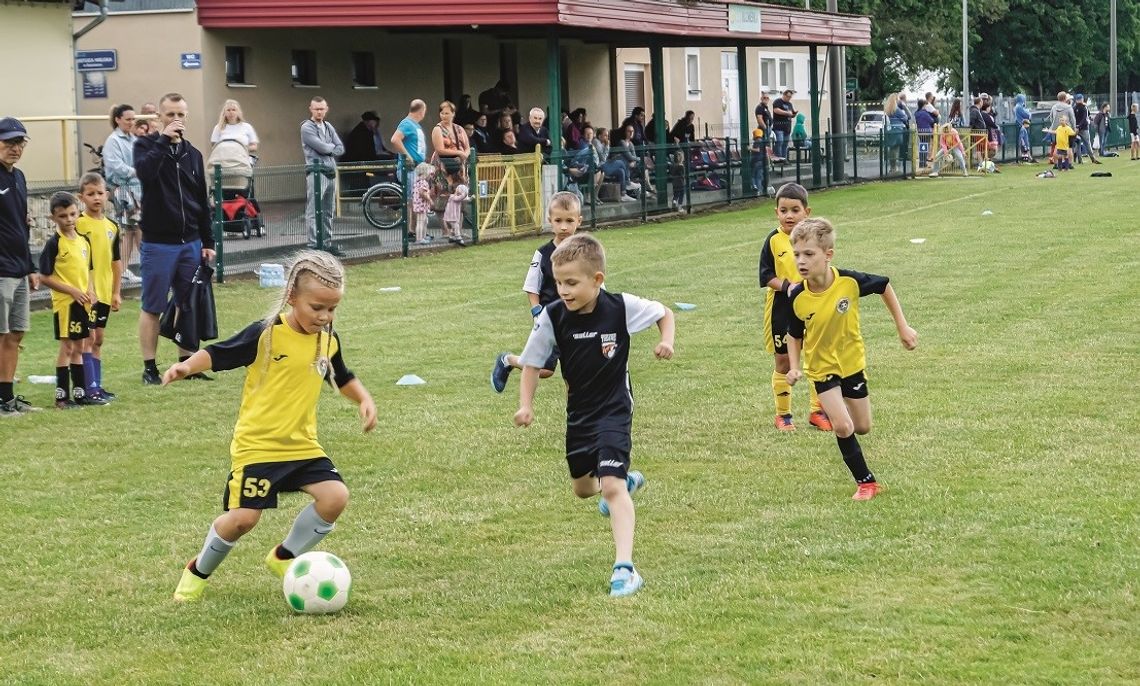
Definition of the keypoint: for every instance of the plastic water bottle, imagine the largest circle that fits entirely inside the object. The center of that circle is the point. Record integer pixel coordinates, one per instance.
(271, 276)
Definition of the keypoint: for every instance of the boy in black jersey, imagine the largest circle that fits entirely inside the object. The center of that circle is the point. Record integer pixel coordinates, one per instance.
(592, 330)
(825, 325)
(565, 216)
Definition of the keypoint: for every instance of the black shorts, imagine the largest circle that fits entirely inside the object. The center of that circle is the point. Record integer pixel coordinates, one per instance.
(72, 323)
(605, 453)
(777, 319)
(256, 485)
(854, 386)
(100, 313)
(551, 363)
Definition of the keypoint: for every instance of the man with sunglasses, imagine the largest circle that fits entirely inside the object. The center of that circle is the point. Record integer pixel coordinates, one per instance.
(17, 271)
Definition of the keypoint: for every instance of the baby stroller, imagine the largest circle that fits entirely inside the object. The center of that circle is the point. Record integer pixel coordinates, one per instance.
(240, 210)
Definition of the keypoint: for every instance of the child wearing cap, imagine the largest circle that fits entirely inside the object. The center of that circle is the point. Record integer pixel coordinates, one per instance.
(759, 161)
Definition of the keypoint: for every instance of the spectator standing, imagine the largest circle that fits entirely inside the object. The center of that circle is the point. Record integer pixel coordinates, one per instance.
(925, 122)
(123, 185)
(480, 137)
(993, 133)
(684, 131)
(149, 115)
(232, 126)
(364, 142)
(764, 113)
(320, 146)
(1020, 111)
(176, 232)
(1081, 110)
(408, 140)
(1102, 121)
(466, 114)
(956, 118)
(783, 116)
(496, 99)
(897, 121)
(1061, 108)
(534, 133)
(450, 143)
(17, 271)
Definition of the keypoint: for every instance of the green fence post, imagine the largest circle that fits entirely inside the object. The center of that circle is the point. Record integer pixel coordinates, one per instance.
(472, 160)
(688, 178)
(219, 234)
(644, 181)
(882, 150)
(855, 157)
(593, 194)
(402, 179)
(728, 165)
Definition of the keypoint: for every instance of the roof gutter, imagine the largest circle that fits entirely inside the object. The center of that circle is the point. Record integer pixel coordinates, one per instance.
(102, 17)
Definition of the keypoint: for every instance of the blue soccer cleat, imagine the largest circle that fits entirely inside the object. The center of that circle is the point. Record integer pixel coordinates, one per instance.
(500, 372)
(633, 481)
(625, 581)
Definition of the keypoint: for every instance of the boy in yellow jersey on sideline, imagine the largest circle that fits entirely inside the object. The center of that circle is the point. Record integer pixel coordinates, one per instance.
(65, 268)
(777, 271)
(825, 320)
(107, 272)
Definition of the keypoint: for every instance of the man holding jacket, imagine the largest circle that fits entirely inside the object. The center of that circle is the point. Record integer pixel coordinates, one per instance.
(176, 231)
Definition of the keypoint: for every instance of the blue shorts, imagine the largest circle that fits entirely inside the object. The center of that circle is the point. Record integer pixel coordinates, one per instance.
(165, 266)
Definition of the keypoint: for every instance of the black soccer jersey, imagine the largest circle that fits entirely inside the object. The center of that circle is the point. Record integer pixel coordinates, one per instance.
(595, 356)
(540, 276)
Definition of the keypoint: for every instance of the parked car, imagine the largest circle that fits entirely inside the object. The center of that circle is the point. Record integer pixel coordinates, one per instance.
(870, 125)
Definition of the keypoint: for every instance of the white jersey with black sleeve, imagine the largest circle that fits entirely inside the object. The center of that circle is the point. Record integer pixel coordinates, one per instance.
(594, 351)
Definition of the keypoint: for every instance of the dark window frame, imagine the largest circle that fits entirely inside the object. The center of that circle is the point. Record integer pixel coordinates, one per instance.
(303, 68)
(236, 65)
(363, 68)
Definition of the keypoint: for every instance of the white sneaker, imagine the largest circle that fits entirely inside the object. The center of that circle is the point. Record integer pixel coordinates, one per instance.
(626, 198)
(633, 186)
(130, 277)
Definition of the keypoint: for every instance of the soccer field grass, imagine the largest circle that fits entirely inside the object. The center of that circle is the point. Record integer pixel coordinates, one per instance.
(1004, 550)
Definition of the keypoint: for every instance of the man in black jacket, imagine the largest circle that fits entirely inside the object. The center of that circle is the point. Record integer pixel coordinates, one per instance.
(176, 231)
(17, 271)
(534, 133)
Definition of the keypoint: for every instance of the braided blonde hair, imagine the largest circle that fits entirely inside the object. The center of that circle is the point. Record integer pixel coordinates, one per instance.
(327, 271)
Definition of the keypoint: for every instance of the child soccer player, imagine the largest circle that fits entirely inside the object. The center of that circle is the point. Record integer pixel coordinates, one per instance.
(592, 329)
(565, 215)
(288, 355)
(1063, 133)
(825, 320)
(1023, 142)
(65, 268)
(777, 271)
(103, 235)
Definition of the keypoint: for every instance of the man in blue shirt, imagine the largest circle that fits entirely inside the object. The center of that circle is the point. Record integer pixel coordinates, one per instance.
(408, 141)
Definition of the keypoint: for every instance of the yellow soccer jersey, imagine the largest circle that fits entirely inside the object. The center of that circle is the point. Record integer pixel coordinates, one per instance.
(277, 421)
(103, 234)
(828, 323)
(69, 261)
(1063, 133)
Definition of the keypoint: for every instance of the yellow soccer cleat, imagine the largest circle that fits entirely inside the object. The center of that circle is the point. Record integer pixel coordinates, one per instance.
(276, 564)
(190, 587)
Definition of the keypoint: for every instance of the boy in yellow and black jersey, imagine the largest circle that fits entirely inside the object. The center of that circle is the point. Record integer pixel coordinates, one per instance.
(825, 325)
(65, 268)
(107, 274)
(777, 271)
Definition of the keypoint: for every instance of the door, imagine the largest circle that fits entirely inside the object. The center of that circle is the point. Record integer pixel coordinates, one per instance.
(729, 95)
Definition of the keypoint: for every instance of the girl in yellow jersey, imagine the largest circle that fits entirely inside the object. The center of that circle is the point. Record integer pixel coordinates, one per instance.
(825, 325)
(288, 357)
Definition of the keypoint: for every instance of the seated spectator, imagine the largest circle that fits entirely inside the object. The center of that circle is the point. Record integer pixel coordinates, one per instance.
(799, 133)
(651, 131)
(510, 146)
(466, 114)
(684, 131)
(504, 124)
(607, 168)
(534, 133)
(574, 133)
(481, 137)
(365, 142)
(636, 119)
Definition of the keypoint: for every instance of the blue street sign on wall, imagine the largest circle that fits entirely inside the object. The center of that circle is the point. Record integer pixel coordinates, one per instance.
(191, 60)
(96, 60)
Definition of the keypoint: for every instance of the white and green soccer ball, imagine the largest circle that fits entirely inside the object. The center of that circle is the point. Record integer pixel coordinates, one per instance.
(317, 583)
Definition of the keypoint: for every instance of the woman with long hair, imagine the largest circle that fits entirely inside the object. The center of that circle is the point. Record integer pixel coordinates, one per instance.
(233, 126)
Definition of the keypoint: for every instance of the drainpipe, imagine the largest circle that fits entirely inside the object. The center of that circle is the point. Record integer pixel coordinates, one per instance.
(103, 9)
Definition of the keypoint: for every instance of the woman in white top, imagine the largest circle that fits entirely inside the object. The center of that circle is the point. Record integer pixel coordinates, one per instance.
(232, 126)
(123, 184)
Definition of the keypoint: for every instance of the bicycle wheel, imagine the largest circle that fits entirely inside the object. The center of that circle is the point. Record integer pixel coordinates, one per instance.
(384, 205)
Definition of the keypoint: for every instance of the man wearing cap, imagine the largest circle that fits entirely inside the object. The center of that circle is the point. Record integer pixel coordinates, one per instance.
(17, 271)
(1081, 124)
(364, 143)
(783, 114)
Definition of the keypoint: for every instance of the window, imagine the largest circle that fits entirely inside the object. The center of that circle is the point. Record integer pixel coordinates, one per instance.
(767, 74)
(787, 75)
(693, 73)
(363, 69)
(728, 60)
(634, 87)
(235, 64)
(304, 68)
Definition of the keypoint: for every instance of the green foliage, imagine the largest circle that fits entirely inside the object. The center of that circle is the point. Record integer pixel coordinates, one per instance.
(1003, 552)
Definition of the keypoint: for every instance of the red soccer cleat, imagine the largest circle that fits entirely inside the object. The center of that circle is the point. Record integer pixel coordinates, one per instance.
(819, 420)
(784, 422)
(867, 491)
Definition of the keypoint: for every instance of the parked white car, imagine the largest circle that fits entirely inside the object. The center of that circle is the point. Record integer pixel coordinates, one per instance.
(870, 125)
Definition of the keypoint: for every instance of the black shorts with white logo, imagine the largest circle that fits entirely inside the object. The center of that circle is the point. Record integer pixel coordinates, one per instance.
(854, 386)
(100, 313)
(72, 323)
(605, 453)
(256, 485)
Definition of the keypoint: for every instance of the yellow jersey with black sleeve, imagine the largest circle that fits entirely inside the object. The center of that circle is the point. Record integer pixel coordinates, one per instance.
(103, 234)
(67, 260)
(277, 421)
(1063, 133)
(828, 323)
(777, 261)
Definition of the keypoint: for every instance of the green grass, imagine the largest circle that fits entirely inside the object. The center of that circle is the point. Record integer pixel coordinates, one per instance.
(1005, 550)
